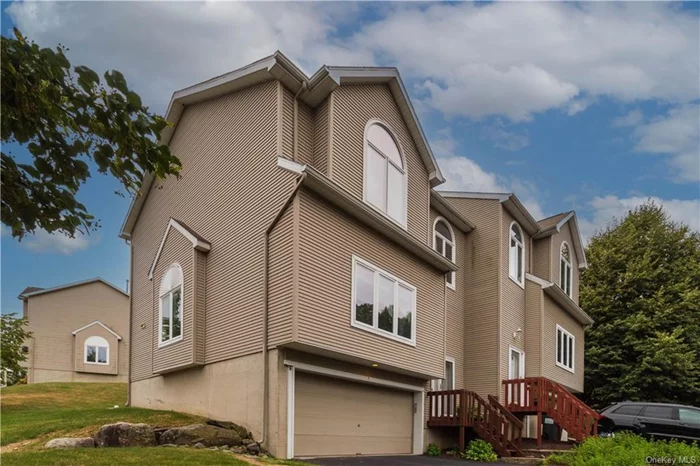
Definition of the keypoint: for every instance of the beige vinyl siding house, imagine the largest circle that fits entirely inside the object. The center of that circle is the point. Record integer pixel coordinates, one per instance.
(295, 268)
(80, 333)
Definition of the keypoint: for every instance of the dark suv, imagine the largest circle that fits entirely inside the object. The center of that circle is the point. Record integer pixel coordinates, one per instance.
(658, 419)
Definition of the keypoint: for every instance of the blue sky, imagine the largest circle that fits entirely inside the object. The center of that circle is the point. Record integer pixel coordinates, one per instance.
(591, 106)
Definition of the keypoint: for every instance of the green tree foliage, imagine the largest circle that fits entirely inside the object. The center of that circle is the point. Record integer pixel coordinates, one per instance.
(12, 336)
(643, 290)
(66, 116)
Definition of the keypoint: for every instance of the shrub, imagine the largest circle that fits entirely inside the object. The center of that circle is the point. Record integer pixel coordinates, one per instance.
(433, 450)
(626, 449)
(479, 450)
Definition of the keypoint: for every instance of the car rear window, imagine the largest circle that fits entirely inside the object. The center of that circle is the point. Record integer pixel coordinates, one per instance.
(658, 412)
(629, 410)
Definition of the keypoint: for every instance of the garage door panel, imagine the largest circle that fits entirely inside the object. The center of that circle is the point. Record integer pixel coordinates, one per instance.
(337, 417)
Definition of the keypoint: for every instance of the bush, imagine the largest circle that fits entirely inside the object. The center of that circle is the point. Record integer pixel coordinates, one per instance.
(433, 450)
(626, 449)
(479, 450)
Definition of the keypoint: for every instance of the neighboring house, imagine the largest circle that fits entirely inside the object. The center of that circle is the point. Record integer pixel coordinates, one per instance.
(80, 333)
(304, 279)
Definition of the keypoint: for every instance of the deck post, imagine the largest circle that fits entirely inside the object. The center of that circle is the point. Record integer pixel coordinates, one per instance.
(462, 446)
(539, 429)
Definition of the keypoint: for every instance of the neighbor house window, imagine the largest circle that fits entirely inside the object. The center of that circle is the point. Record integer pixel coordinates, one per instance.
(565, 269)
(566, 346)
(96, 351)
(382, 303)
(444, 243)
(385, 173)
(516, 255)
(170, 322)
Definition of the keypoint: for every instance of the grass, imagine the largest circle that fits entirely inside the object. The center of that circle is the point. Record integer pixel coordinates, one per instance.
(43, 411)
(121, 456)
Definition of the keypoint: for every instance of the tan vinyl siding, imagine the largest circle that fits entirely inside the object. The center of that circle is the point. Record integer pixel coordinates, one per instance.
(321, 137)
(557, 239)
(97, 330)
(328, 240)
(353, 107)
(554, 315)
(482, 295)
(229, 192)
(54, 316)
(542, 262)
(455, 346)
(178, 249)
(305, 134)
(512, 297)
(534, 310)
(281, 280)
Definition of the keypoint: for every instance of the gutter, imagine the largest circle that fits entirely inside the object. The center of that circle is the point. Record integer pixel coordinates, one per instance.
(560, 297)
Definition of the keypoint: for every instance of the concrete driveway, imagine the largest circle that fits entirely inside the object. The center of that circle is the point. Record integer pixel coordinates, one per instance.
(406, 460)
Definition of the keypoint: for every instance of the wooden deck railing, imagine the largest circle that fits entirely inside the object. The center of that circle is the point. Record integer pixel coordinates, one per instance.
(541, 395)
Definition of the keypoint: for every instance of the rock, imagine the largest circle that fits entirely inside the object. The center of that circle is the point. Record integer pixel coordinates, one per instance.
(199, 445)
(167, 445)
(210, 436)
(84, 442)
(242, 431)
(253, 448)
(124, 434)
(238, 449)
(247, 441)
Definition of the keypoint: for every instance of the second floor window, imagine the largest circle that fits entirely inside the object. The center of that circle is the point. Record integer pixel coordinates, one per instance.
(565, 349)
(385, 173)
(170, 322)
(565, 269)
(444, 243)
(383, 304)
(516, 254)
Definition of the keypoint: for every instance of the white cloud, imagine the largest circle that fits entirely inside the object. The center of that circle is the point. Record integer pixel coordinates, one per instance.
(676, 134)
(604, 209)
(632, 118)
(43, 241)
(504, 138)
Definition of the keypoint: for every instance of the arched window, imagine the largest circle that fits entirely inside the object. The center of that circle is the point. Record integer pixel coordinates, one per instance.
(565, 268)
(96, 351)
(516, 254)
(444, 243)
(385, 173)
(170, 322)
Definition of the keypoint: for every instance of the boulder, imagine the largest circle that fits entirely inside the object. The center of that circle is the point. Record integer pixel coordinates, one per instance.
(208, 435)
(253, 448)
(84, 442)
(242, 431)
(124, 434)
(199, 445)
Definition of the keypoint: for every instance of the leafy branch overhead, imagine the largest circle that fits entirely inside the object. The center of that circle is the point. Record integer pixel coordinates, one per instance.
(65, 118)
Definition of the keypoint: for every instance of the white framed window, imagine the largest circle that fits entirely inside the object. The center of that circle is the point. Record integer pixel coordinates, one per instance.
(444, 243)
(385, 186)
(565, 268)
(516, 255)
(382, 303)
(96, 351)
(566, 349)
(170, 315)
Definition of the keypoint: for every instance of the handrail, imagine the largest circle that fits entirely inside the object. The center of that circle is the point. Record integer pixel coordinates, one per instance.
(494, 402)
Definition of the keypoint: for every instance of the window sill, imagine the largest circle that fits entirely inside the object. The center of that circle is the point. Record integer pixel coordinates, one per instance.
(172, 341)
(389, 217)
(383, 333)
(520, 284)
(97, 363)
(451, 287)
(567, 369)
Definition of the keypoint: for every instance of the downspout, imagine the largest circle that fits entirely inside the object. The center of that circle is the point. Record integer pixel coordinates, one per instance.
(131, 327)
(296, 119)
(266, 272)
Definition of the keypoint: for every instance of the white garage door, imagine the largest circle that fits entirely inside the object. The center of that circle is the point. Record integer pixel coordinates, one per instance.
(337, 417)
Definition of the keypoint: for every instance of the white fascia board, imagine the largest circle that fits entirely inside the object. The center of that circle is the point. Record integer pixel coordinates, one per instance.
(197, 243)
(71, 285)
(97, 322)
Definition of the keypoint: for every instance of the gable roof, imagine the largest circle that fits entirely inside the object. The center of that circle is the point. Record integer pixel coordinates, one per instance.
(509, 201)
(561, 298)
(311, 90)
(39, 291)
(97, 322)
(552, 225)
(198, 242)
(445, 209)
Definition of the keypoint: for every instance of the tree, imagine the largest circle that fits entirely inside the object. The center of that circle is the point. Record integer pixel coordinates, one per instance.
(12, 336)
(643, 291)
(64, 120)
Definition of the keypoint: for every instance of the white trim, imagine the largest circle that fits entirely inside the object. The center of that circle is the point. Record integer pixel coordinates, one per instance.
(291, 393)
(558, 295)
(197, 243)
(570, 293)
(571, 341)
(102, 344)
(71, 285)
(521, 242)
(452, 242)
(521, 364)
(290, 165)
(178, 338)
(403, 223)
(99, 323)
(398, 282)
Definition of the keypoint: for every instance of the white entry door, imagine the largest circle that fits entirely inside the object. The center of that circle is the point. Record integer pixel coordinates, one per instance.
(448, 383)
(516, 370)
